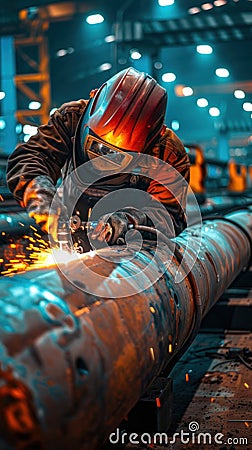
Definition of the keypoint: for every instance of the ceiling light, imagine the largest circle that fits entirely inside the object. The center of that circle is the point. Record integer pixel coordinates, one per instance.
(214, 112)
(94, 19)
(222, 72)
(206, 6)
(165, 2)
(19, 128)
(247, 106)
(122, 60)
(105, 66)
(65, 51)
(110, 38)
(52, 111)
(175, 125)
(187, 91)
(34, 105)
(158, 65)
(135, 54)
(220, 2)
(202, 102)
(204, 49)
(193, 10)
(30, 129)
(238, 93)
(62, 52)
(2, 124)
(2, 95)
(168, 77)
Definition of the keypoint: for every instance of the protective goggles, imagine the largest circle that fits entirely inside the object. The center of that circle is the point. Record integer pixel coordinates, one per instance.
(110, 157)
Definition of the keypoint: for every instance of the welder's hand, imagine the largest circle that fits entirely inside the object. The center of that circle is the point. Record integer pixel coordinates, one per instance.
(37, 199)
(112, 228)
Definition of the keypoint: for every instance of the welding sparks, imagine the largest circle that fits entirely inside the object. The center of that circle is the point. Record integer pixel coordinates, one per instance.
(38, 258)
(33, 228)
(152, 353)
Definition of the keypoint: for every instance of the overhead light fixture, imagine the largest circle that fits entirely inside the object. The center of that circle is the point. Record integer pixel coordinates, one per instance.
(105, 66)
(2, 95)
(30, 129)
(175, 125)
(52, 111)
(214, 111)
(61, 52)
(65, 51)
(193, 10)
(2, 124)
(202, 102)
(187, 91)
(168, 77)
(165, 2)
(19, 128)
(207, 6)
(220, 2)
(222, 72)
(135, 54)
(93, 19)
(109, 38)
(204, 49)
(34, 105)
(247, 106)
(238, 93)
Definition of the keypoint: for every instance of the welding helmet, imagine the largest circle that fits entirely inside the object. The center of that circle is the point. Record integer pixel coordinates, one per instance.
(126, 114)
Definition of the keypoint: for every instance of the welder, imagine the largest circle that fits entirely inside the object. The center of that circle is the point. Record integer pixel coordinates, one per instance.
(124, 117)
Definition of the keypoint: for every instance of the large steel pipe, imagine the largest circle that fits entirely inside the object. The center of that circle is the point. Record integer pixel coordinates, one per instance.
(73, 364)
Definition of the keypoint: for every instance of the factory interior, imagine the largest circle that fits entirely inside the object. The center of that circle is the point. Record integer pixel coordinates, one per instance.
(163, 361)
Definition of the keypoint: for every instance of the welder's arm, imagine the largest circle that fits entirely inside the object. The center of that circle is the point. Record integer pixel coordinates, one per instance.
(46, 152)
(37, 199)
(172, 220)
(169, 187)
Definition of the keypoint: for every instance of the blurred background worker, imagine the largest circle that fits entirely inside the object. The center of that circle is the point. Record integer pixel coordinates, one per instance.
(124, 116)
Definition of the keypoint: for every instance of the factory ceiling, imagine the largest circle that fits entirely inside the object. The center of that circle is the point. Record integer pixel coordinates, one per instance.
(83, 56)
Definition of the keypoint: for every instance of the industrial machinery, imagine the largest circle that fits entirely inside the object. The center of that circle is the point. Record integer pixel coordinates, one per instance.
(78, 349)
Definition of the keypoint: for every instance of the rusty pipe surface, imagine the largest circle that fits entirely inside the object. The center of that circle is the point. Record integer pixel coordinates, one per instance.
(73, 364)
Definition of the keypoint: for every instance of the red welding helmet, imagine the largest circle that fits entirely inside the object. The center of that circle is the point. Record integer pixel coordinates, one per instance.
(125, 114)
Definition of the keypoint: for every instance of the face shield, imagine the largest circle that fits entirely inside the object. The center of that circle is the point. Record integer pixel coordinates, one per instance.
(106, 157)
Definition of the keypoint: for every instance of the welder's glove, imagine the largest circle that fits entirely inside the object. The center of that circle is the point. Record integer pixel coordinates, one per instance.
(112, 228)
(37, 199)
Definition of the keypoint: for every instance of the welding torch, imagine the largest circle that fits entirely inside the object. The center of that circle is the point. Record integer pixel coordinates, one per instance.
(76, 224)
